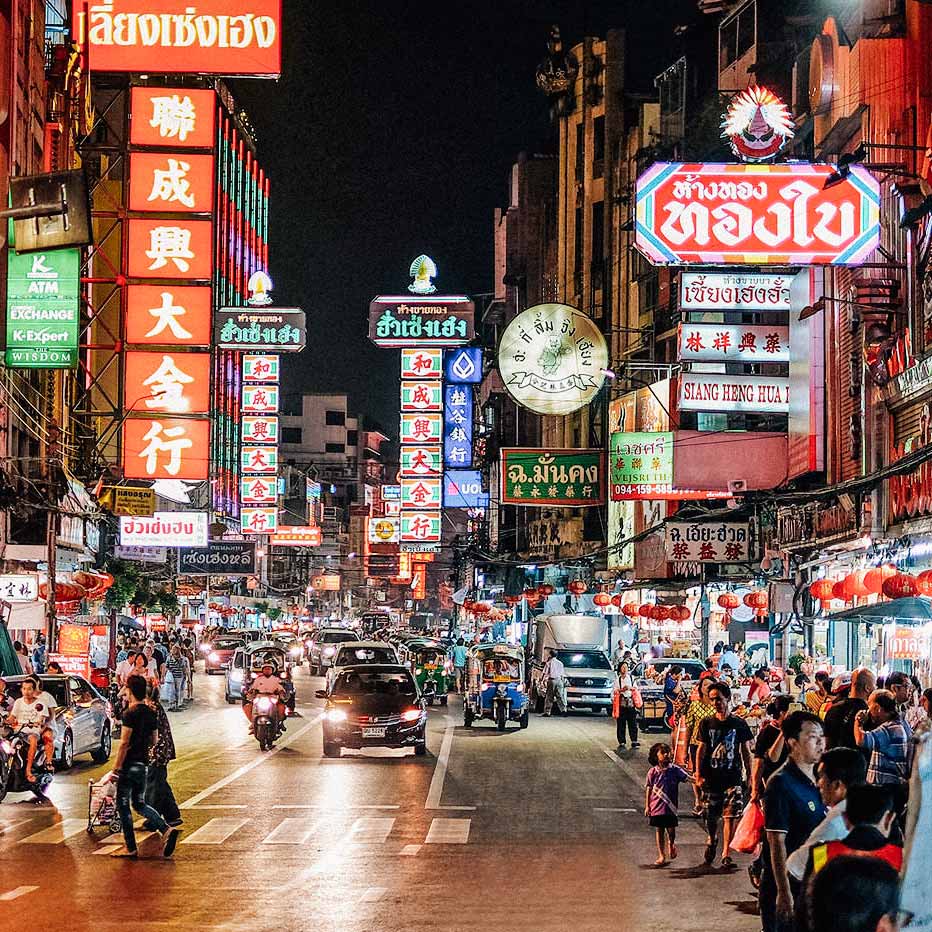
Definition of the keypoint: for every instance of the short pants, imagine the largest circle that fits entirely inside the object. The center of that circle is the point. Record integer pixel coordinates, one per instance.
(728, 804)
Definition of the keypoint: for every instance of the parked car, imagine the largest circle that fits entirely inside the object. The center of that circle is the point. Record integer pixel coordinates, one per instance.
(324, 645)
(219, 652)
(82, 723)
(358, 653)
(649, 676)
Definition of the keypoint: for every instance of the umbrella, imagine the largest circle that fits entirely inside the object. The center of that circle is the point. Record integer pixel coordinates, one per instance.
(911, 610)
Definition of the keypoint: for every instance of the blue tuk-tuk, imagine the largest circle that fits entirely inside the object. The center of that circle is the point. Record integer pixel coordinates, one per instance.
(495, 686)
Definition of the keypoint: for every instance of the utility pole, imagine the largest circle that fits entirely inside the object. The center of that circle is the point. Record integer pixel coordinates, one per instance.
(52, 527)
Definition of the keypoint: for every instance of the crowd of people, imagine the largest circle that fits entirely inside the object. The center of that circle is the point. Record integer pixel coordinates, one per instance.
(165, 662)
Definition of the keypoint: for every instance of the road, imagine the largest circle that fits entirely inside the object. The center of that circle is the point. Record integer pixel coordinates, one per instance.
(527, 830)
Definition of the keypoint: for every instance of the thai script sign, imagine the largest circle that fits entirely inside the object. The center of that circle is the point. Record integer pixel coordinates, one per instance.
(249, 328)
(750, 343)
(744, 393)
(42, 309)
(423, 321)
(457, 425)
(640, 465)
(172, 37)
(421, 362)
(462, 488)
(223, 557)
(717, 214)
(901, 642)
(180, 117)
(571, 478)
(384, 530)
(727, 291)
(707, 542)
(128, 500)
(165, 529)
(552, 359)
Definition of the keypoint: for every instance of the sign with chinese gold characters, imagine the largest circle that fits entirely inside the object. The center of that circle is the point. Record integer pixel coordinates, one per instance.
(570, 478)
(640, 465)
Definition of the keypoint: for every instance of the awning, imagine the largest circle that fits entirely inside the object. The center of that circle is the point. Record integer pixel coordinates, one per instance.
(912, 610)
(26, 616)
(127, 623)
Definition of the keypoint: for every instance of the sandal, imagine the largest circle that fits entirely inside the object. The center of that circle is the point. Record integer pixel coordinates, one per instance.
(728, 863)
(661, 862)
(673, 852)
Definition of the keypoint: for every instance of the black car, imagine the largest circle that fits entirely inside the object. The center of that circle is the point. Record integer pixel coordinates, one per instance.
(375, 705)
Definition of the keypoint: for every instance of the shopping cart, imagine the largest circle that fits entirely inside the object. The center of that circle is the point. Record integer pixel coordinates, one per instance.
(101, 806)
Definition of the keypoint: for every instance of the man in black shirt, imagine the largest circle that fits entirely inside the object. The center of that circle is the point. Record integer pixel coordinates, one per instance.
(140, 733)
(723, 763)
(839, 719)
(769, 757)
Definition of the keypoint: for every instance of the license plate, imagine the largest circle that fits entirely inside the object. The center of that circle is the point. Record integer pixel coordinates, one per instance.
(591, 698)
(373, 732)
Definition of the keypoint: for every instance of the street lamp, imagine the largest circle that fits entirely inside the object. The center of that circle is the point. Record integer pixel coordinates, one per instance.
(818, 306)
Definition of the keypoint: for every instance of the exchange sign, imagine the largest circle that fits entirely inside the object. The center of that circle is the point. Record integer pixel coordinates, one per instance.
(749, 394)
(42, 309)
(707, 542)
(570, 478)
(749, 343)
(781, 214)
(640, 465)
(165, 529)
(223, 557)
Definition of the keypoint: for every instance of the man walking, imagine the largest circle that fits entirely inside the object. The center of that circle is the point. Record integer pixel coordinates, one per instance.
(888, 743)
(460, 654)
(139, 735)
(176, 667)
(159, 794)
(552, 675)
(839, 719)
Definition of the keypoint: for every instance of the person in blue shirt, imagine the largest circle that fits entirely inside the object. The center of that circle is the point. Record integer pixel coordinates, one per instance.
(459, 663)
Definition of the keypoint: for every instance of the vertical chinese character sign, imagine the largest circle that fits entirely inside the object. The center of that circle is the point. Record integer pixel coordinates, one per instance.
(259, 444)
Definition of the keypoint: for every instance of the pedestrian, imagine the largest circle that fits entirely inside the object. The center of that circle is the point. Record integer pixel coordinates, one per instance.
(770, 750)
(159, 793)
(924, 718)
(839, 718)
(460, 653)
(853, 894)
(729, 658)
(176, 668)
(760, 690)
(188, 651)
(23, 655)
(627, 711)
(837, 771)
(888, 743)
(672, 693)
(699, 708)
(662, 793)
(819, 694)
(723, 763)
(902, 688)
(139, 736)
(792, 809)
(39, 654)
(552, 675)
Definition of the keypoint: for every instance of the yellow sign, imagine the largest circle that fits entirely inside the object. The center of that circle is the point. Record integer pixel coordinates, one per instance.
(125, 500)
(326, 583)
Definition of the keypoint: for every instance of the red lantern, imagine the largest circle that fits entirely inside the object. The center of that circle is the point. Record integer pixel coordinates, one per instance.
(545, 589)
(680, 613)
(874, 578)
(576, 586)
(482, 608)
(602, 599)
(924, 582)
(728, 601)
(838, 591)
(822, 589)
(660, 612)
(758, 601)
(644, 610)
(900, 586)
(512, 599)
(532, 597)
(631, 609)
(854, 587)
(616, 600)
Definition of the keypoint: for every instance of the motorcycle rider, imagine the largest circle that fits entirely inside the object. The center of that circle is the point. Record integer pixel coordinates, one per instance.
(29, 714)
(266, 683)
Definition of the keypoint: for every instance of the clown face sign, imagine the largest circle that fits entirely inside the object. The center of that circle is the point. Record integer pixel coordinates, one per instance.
(757, 125)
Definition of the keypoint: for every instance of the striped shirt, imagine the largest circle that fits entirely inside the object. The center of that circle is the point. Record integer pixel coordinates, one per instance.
(889, 745)
(177, 667)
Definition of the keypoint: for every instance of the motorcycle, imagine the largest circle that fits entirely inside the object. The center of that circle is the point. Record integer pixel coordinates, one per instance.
(265, 721)
(14, 748)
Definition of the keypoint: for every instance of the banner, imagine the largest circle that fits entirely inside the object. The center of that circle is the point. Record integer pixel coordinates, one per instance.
(640, 465)
(570, 478)
(745, 343)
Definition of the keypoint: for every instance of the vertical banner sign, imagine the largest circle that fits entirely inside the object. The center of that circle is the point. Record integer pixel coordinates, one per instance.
(457, 426)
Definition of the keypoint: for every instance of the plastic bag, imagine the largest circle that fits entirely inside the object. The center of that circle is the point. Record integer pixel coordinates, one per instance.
(749, 829)
(680, 741)
(636, 698)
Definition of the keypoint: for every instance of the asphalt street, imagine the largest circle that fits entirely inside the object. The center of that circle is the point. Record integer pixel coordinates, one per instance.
(540, 829)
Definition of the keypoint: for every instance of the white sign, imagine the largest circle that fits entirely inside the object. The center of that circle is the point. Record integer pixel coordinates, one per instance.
(762, 394)
(733, 343)
(19, 587)
(552, 359)
(385, 530)
(165, 529)
(141, 554)
(707, 542)
(716, 291)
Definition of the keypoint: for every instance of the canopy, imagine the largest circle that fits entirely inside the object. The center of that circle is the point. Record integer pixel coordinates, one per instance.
(911, 610)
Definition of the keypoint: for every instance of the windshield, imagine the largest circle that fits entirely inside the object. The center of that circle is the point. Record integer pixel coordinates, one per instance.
(588, 659)
(351, 655)
(355, 683)
(267, 655)
(501, 667)
(227, 644)
(335, 637)
(432, 655)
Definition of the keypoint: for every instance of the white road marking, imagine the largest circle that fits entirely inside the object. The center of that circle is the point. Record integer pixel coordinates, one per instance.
(373, 895)
(331, 808)
(107, 849)
(606, 809)
(7, 826)
(435, 793)
(448, 832)
(111, 848)
(291, 832)
(410, 850)
(14, 894)
(221, 806)
(57, 833)
(268, 755)
(215, 832)
(371, 831)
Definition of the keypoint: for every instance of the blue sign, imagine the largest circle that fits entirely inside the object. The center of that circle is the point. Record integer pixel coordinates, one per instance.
(457, 426)
(463, 366)
(462, 488)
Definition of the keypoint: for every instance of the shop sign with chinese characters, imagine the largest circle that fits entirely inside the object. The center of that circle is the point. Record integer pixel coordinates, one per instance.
(421, 362)
(421, 396)
(707, 542)
(260, 520)
(457, 425)
(182, 118)
(177, 383)
(746, 343)
(161, 315)
(640, 465)
(421, 493)
(749, 394)
(42, 309)
(727, 291)
(434, 321)
(261, 368)
(260, 399)
(165, 529)
(179, 248)
(420, 527)
(570, 478)
(19, 587)
(259, 460)
(421, 428)
(260, 429)
(281, 330)
(168, 448)
(258, 490)
(171, 182)
(172, 37)
(779, 214)
(420, 461)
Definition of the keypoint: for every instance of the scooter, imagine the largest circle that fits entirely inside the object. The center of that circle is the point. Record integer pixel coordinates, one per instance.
(265, 721)
(14, 749)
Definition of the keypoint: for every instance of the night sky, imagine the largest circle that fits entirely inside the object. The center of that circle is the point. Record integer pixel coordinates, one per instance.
(392, 133)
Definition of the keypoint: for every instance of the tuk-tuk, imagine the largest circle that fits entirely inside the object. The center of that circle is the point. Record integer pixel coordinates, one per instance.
(432, 668)
(495, 686)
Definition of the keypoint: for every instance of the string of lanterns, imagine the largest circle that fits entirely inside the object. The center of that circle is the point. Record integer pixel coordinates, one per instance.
(884, 580)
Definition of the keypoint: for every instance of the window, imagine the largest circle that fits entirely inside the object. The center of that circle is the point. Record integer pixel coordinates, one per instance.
(598, 234)
(352, 438)
(291, 435)
(578, 245)
(580, 152)
(335, 418)
(334, 448)
(598, 146)
(736, 36)
(291, 406)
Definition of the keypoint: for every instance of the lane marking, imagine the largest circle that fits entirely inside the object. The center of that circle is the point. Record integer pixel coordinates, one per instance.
(448, 832)
(409, 850)
(435, 793)
(57, 833)
(607, 809)
(332, 808)
(371, 831)
(14, 894)
(242, 771)
(373, 895)
(108, 849)
(291, 832)
(215, 832)
(220, 806)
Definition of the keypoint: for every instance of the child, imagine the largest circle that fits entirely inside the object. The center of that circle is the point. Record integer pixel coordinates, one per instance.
(662, 798)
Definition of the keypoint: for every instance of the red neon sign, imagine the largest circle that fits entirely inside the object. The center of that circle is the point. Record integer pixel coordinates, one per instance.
(166, 448)
(167, 382)
(170, 249)
(171, 182)
(180, 117)
(168, 315)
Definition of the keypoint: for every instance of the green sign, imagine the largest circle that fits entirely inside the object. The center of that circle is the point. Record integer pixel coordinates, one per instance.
(571, 478)
(641, 465)
(42, 309)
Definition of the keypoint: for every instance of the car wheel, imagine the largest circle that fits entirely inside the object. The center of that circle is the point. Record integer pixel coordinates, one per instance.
(66, 760)
(331, 750)
(420, 749)
(523, 721)
(444, 699)
(103, 752)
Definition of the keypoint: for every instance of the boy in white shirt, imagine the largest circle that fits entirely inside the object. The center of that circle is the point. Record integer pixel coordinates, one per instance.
(30, 713)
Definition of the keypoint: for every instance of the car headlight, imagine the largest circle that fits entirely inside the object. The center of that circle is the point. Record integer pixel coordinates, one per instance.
(335, 715)
(489, 686)
(236, 676)
(206, 648)
(213, 657)
(418, 671)
(329, 651)
(264, 704)
(410, 715)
